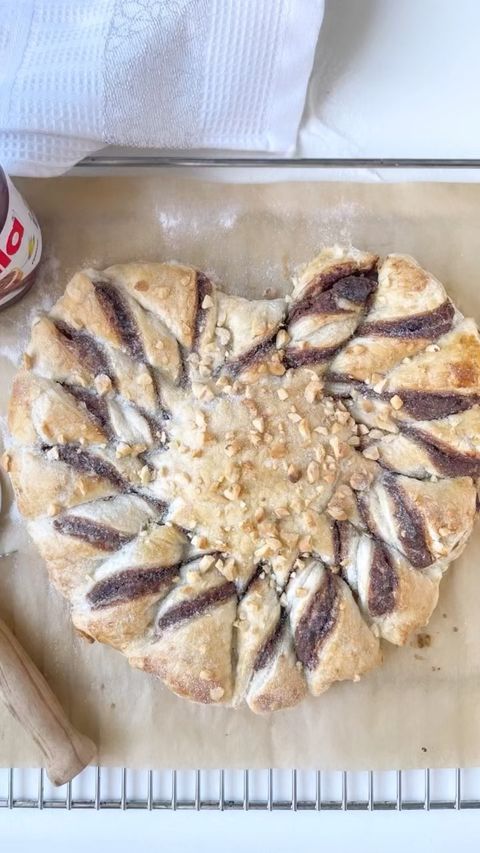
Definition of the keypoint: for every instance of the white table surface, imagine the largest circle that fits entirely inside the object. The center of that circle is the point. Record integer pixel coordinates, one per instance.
(392, 78)
(78, 832)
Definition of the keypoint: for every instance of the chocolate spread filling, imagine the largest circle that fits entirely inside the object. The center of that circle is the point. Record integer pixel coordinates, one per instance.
(422, 405)
(430, 325)
(252, 355)
(336, 541)
(88, 463)
(342, 536)
(118, 315)
(317, 622)
(356, 288)
(85, 348)
(270, 646)
(448, 461)
(428, 406)
(342, 379)
(383, 583)
(191, 609)
(411, 533)
(299, 357)
(96, 406)
(204, 287)
(160, 506)
(99, 535)
(254, 577)
(364, 512)
(130, 584)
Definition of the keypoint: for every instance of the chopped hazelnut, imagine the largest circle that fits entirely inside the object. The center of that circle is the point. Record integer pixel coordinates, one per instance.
(229, 569)
(103, 383)
(371, 453)
(216, 693)
(282, 339)
(396, 402)
(313, 472)
(337, 512)
(278, 450)
(312, 392)
(250, 405)
(335, 445)
(293, 473)
(359, 481)
(145, 474)
(304, 429)
(276, 368)
(122, 450)
(379, 386)
(223, 335)
(233, 493)
(206, 562)
(233, 448)
(207, 301)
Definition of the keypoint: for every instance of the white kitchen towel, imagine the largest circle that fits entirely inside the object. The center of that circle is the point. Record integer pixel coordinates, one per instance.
(76, 75)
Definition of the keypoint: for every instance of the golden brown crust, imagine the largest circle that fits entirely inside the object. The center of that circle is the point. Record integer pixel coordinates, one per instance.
(281, 685)
(167, 290)
(347, 648)
(44, 485)
(40, 409)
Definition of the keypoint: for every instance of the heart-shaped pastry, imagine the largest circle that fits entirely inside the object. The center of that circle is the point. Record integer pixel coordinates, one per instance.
(243, 496)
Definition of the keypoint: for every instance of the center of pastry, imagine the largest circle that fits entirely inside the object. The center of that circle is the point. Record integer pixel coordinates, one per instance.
(251, 469)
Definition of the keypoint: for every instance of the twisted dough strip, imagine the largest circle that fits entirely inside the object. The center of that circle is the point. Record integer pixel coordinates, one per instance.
(206, 505)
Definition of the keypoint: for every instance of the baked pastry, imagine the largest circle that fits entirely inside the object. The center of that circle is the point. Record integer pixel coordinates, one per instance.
(242, 496)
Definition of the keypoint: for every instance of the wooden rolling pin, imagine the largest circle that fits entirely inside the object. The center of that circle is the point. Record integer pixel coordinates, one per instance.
(30, 700)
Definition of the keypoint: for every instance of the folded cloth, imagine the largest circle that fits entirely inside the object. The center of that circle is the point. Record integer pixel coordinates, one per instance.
(176, 74)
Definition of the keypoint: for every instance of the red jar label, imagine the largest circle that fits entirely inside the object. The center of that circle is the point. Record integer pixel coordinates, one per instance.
(20, 242)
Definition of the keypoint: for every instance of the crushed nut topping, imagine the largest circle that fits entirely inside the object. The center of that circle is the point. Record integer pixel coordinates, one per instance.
(294, 474)
(396, 402)
(207, 301)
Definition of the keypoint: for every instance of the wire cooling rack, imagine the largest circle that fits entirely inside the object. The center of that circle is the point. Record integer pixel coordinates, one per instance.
(101, 788)
(266, 790)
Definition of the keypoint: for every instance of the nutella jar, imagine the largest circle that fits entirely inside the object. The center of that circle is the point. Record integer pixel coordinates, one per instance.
(20, 243)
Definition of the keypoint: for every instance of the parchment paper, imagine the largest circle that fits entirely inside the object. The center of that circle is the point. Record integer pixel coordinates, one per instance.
(419, 709)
